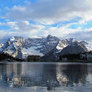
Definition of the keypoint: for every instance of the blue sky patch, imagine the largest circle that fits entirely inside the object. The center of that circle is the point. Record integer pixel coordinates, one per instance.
(4, 27)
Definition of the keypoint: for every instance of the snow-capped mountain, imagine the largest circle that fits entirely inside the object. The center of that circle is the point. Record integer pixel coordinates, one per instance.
(89, 45)
(64, 43)
(64, 47)
(1, 45)
(67, 42)
(21, 48)
(39, 46)
(74, 48)
(13, 46)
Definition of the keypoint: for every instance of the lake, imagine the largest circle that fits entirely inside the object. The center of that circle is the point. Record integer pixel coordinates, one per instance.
(45, 77)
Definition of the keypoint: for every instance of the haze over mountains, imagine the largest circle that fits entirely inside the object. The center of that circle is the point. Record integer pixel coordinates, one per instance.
(20, 47)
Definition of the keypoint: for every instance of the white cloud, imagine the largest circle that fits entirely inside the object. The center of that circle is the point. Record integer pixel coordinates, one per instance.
(4, 35)
(24, 28)
(82, 35)
(61, 31)
(66, 32)
(50, 11)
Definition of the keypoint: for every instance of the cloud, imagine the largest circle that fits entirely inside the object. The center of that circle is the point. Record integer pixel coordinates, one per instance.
(53, 17)
(24, 28)
(66, 32)
(82, 35)
(4, 35)
(20, 28)
(62, 31)
(49, 11)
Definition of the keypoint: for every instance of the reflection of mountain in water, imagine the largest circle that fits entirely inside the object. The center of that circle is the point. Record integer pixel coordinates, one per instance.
(49, 76)
(72, 75)
(45, 75)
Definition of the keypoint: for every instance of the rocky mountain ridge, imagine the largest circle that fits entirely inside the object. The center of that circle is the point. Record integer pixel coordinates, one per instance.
(20, 47)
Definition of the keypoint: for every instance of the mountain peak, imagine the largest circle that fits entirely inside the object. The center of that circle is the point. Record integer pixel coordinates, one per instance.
(37, 46)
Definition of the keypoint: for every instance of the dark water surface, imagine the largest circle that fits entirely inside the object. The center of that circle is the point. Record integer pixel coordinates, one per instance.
(45, 77)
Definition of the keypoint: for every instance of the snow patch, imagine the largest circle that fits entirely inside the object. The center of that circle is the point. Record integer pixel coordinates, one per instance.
(89, 45)
(31, 51)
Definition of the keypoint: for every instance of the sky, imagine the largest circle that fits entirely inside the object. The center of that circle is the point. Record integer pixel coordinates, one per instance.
(39, 18)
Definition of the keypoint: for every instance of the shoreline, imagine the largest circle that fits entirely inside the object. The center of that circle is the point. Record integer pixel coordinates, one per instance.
(48, 62)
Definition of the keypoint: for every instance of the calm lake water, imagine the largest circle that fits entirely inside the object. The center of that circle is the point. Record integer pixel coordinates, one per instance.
(45, 77)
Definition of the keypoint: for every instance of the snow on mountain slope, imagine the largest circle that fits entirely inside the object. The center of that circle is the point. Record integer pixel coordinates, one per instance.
(1, 45)
(64, 43)
(13, 46)
(39, 46)
(89, 45)
(32, 47)
(31, 51)
(74, 48)
(65, 47)
(21, 48)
